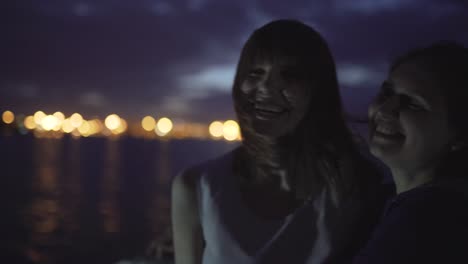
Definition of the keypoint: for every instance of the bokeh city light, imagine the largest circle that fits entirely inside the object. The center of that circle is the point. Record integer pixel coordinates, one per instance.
(85, 128)
(216, 129)
(148, 123)
(55, 125)
(231, 130)
(38, 116)
(76, 120)
(122, 128)
(8, 117)
(49, 122)
(67, 126)
(164, 126)
(29, 123)
(112, 121)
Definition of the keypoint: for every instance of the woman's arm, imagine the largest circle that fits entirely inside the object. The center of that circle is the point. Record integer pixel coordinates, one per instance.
(187, 232)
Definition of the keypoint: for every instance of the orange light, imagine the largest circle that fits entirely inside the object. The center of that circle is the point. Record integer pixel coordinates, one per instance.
(148, 123)
(122, 127)
(231, 130)
(49, 122)
(76, 120)
(59, 115)
(8, 117)
(112, 121)
(60, 118)
(67, 126)
(75, 133)
(38, 116)
(216, 129)
(163, 126)
(29, 122)
(84, 129)
(95, 126)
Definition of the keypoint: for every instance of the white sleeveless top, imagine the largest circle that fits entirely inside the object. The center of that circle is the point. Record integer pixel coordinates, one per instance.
(233, 234)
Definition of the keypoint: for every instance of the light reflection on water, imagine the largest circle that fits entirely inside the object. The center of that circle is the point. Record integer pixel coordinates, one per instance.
(45, 214)
(91, 200)
(108, 207)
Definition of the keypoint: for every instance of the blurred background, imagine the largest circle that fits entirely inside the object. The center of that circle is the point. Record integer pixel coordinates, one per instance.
(102, 102)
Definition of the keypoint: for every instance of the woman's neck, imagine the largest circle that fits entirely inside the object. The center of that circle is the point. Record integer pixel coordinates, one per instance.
(272, 152)
(270, 162)
(406, 180)
(276, 160)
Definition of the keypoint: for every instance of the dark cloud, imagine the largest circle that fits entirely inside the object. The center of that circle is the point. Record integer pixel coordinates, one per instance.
(132, 57)
(374, 39)
(219, 103)
(381, 35)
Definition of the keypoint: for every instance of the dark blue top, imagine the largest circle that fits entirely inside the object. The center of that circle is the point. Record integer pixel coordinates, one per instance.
(428, 224)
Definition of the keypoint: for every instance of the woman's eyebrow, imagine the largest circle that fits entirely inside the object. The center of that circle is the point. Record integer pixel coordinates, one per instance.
(419, 97)
(388, 84)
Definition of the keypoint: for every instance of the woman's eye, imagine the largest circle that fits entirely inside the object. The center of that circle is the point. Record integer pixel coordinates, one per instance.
(411, 104)
(255, 74)
(415, 106)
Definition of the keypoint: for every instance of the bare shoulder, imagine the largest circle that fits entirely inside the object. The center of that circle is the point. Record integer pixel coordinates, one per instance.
(185, 183)
(187, 180)
(187, 231)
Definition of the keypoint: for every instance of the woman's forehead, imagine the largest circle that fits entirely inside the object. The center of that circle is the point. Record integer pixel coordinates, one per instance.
(276, 58)
(414, 78)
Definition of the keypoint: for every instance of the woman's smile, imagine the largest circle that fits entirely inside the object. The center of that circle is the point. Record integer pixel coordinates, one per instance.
(387, 132)
(269, 111)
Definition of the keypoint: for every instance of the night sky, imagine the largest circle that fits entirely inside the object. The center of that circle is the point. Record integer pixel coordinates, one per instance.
(177, 58)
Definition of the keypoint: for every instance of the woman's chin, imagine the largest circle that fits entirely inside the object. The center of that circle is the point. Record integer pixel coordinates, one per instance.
(269, 129)
(390, 157)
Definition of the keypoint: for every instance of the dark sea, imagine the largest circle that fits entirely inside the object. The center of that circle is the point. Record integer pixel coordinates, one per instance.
(91, 200)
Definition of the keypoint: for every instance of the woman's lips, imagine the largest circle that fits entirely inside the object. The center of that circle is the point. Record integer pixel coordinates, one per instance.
(268, 112)
(388, 132)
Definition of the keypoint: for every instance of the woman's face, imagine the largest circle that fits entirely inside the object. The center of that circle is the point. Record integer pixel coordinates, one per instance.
(409, 127)
(278, 94)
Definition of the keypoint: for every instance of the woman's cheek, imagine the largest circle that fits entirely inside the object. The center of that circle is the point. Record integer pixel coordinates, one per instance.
(247, 87)
(296, 96)
(372, 110)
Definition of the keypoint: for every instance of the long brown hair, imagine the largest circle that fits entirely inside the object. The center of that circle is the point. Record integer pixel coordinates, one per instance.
(320, 141)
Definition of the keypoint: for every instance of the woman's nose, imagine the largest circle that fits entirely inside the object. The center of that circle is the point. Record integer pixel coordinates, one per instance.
(390, 108)
(270, 87)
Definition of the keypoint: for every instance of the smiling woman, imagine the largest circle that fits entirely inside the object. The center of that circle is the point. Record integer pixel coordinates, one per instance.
(419, 130)
(297, 190)
(277, 93)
